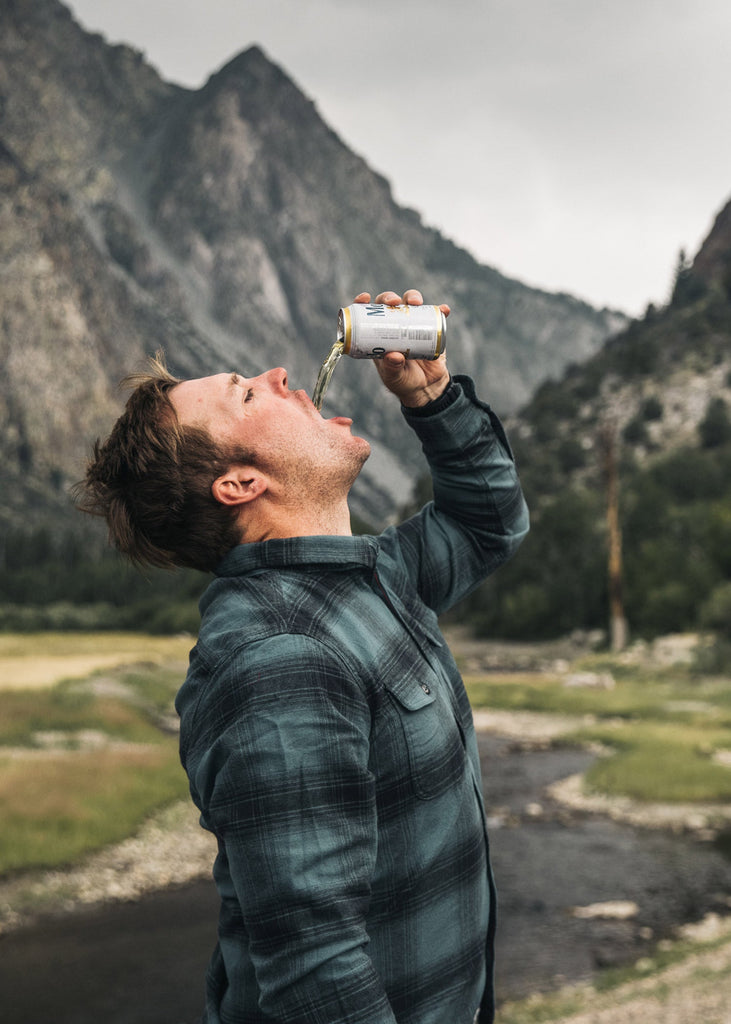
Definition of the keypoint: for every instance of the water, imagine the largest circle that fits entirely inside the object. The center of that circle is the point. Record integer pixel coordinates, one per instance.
(326, 372)
(545, 864)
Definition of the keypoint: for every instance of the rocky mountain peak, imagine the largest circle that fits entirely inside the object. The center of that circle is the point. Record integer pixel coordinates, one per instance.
(225, 225)
(253, 73)
(713, 261)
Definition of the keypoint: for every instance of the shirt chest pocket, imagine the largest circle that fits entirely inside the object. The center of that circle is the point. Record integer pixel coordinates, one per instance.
(433, 742)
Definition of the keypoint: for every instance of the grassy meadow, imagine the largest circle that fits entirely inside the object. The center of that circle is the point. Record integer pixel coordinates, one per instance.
(664, 733)
(88, 748)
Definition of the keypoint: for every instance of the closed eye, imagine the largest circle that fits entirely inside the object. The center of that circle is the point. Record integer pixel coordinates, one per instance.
(236, 381)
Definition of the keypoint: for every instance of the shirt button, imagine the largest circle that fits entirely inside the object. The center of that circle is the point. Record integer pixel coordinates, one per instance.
(425, 688)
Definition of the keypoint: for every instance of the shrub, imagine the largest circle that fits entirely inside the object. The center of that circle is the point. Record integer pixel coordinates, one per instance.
(652, 408)
(715, 428)
(571, 455)
(715, 612)
(635, 431)
(668, 609)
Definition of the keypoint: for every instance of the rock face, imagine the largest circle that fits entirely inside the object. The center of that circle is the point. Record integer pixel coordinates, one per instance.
(660, 384)
(712, 263)
(224, 225)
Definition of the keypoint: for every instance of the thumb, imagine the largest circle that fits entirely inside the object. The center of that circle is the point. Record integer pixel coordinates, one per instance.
(391, 367)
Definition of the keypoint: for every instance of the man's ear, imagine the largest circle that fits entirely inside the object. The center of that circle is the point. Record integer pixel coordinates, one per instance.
(238, 485)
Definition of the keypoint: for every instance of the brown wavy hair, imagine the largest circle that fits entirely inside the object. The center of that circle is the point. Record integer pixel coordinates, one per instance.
(151, 481)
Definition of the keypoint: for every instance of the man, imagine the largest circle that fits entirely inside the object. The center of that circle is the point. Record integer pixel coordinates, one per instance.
(325, 730)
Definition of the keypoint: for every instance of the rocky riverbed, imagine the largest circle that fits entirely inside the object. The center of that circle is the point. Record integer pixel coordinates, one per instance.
(125, 936)
(172, 849)
(585, 883)
(694, 990)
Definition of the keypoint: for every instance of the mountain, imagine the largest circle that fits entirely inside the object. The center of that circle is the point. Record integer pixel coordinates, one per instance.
(653, 382)
(649, 413)
(225, 225)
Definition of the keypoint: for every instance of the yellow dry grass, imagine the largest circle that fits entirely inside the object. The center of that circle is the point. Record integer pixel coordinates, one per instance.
(29, 787)
(37, 660)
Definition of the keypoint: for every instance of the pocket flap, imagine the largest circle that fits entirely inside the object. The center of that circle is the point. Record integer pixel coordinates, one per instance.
(410, 694)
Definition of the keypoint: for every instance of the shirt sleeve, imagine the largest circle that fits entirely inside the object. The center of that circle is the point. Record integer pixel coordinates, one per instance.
(478, 517)
(293, 800)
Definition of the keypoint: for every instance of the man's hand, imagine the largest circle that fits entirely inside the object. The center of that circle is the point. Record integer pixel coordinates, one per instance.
(415, 382)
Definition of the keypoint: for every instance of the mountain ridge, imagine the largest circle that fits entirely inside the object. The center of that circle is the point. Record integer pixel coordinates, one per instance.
(631, 451)
(226, 225)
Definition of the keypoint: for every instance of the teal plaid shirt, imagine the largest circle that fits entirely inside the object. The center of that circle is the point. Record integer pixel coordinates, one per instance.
(329, 745)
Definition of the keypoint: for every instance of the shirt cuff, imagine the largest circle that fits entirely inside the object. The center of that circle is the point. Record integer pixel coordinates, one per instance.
(447, 397)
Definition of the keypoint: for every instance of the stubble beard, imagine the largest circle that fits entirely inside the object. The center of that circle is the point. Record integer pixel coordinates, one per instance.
(344, 471)
(322, 476)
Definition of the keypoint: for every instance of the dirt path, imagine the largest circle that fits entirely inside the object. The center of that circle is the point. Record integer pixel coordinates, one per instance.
(76, 655)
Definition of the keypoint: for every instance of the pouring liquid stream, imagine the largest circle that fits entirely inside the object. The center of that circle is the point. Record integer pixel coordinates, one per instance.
(326, 372)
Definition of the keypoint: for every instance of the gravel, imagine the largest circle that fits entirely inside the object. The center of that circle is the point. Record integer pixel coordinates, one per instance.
(697, 990)
(170, 849)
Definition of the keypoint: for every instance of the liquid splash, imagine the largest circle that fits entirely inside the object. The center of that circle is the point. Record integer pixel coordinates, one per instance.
(326, 372)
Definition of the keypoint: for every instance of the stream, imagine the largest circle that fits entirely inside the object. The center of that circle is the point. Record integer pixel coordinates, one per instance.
(144, 962)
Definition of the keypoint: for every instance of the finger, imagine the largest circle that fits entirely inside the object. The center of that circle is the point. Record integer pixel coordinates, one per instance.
(389, 298)
(362, 297)
(394, 360)
(391, 367)
(445, 309)
(413, 297)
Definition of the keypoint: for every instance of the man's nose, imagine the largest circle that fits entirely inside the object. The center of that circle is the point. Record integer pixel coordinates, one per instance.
(277, 380)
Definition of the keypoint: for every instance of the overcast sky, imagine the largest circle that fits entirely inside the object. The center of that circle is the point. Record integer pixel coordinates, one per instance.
(576, 145)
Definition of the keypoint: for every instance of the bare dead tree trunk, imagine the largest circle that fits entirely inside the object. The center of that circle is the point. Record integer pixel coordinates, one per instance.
(617, 620)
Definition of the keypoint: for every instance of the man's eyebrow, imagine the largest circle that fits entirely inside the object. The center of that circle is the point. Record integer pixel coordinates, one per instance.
(233, 380)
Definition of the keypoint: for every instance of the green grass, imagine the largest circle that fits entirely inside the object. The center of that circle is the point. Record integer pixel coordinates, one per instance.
(660, 762)
(552, 696)
(615, 986)
(69, 708)
(57, 809)
(541, 1009)
(154, 688)
(61, 798)
(59, 644)
(661, 729)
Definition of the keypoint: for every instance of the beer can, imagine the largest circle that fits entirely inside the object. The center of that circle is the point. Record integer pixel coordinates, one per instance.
(370, 329)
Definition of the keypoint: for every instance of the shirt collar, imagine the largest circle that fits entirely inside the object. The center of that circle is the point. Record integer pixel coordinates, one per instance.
(335, 552)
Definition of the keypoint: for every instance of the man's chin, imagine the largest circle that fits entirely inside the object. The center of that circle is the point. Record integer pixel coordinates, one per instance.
(360, 456)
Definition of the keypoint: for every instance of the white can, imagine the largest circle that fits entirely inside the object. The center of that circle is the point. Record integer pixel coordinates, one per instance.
(368, 330)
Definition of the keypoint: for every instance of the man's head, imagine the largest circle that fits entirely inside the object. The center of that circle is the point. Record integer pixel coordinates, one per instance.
(192, 468)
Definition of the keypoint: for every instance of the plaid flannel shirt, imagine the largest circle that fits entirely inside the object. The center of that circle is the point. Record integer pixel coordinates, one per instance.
(329, 745)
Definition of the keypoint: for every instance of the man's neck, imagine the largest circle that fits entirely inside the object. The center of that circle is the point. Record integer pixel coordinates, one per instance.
(299, 522)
